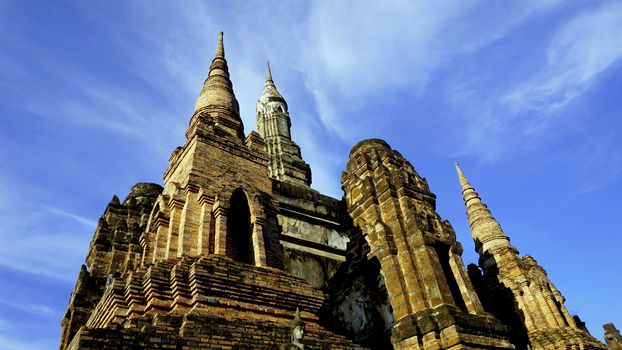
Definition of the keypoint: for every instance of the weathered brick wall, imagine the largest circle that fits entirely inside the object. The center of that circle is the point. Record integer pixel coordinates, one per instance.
(114, 250)
(223, 330)
(191, 216)
(208, 302)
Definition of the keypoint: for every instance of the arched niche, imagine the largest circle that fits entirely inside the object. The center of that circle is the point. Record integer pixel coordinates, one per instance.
(240, 229)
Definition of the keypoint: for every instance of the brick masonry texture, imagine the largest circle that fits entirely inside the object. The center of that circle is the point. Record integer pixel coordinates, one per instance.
(237, 251)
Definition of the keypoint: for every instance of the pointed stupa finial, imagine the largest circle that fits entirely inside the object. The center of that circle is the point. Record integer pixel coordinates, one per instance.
(270, 91)
(218, 90)
(463, 180)
(485, 229)
(218, 93)
(468, 192)
(220, 49)
(268, 73)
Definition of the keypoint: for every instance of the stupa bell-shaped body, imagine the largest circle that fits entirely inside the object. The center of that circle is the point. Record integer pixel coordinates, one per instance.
(218, 90)
(217, 98)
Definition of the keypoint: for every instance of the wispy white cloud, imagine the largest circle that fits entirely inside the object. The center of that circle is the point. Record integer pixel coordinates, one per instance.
(116, 109)
(509, 115)
(33, 308)
(580, 51)
(347, 56)
(88, 223)
(52, 255)
(40, 239)
(373, 50)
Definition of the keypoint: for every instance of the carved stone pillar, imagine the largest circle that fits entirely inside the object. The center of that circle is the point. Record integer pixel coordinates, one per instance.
(473, 304)
(162, 224)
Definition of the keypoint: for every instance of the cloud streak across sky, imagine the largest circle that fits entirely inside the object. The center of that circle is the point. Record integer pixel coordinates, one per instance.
(583, 48)
(523, 93)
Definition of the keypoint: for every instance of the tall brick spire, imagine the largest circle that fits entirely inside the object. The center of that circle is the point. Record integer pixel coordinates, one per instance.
(485, 229)
(217, 93)
(530, 303)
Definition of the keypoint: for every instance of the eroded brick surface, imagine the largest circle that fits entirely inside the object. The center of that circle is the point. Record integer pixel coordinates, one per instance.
(199, 263)
(236, 241)
(434, 304)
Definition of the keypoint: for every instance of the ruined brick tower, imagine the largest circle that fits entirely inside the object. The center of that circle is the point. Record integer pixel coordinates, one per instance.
(434, 304)
(517, 289)
(237, 251)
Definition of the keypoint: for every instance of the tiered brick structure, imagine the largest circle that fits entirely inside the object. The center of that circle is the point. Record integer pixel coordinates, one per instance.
(211, 184)
(236, 242)
(114, 250)
(199, 265)
(518, 290)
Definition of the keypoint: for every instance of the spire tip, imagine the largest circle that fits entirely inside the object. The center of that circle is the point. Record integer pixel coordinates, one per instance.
(463, 181)
(220, 50)
(458, 168)
(268, 72)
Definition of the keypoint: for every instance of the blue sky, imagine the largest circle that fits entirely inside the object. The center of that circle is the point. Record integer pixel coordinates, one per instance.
(525, 95)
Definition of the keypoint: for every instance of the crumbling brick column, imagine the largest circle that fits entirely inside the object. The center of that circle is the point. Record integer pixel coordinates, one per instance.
(434, 303)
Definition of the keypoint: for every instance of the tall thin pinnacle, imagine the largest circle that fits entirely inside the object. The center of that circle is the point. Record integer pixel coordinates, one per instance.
(463, 180)
(468, 192)
(485, 229)
(219, 63)
(270, 88)
(218, 89)
(220, 49)
(268, 73)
